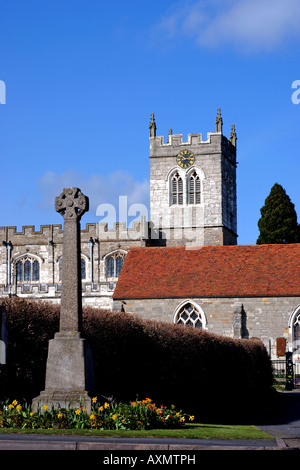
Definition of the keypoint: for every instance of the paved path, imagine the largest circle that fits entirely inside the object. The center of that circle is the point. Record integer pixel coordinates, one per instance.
(283, 422)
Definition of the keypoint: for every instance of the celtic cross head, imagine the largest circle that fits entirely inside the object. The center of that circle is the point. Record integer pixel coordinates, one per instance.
(71, 204)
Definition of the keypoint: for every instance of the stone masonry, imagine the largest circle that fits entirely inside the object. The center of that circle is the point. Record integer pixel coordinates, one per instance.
(214, 220)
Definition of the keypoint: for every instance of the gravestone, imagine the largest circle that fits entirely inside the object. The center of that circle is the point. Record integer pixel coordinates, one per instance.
(69, 370)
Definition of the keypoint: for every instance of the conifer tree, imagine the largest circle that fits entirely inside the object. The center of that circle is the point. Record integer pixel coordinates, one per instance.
(278, 222)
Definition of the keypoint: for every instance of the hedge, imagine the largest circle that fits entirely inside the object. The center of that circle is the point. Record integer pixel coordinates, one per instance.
(136, 358)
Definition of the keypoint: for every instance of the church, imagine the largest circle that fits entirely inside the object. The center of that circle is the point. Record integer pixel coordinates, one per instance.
(184, 265)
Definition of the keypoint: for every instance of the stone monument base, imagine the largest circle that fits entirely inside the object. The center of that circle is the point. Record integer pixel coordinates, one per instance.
(62, 399)
(69, 374)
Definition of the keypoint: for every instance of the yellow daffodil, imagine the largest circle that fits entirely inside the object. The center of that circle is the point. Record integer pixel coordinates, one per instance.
(100, 409)
(77, 412)
(94, 400)
(92, 417)
(114, 416)
(106, 405)
(59, 415)
(191, 418)
(182, 419)
(45, 407)
(15, 402)
(19, 407)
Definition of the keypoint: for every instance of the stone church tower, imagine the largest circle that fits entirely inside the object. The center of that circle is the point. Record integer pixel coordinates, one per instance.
(193, 188)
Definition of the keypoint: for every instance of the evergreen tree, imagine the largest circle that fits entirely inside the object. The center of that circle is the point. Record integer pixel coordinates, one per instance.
(278, 222)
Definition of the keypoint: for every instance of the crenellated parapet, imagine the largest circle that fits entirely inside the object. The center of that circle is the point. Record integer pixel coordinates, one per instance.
(120, 231)
(47, 233)
(215, 142)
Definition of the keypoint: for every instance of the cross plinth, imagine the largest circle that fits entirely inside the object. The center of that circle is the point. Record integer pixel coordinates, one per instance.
(69, 371)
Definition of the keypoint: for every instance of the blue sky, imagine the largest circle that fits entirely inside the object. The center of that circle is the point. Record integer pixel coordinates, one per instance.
(83, 76)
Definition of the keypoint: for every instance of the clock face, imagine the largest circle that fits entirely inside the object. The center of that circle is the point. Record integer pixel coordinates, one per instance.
(185, 159)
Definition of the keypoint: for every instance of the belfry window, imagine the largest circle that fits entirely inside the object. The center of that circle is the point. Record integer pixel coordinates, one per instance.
(190, 315)
(185, 188)
(114, 264)
(194, 189)
(27, 269)
(176, 189)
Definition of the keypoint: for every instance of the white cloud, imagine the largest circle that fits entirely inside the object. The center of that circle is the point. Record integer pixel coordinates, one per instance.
(100, 189)
(247, 24)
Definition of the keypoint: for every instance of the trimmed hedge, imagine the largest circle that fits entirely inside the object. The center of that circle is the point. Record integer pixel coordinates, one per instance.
(204, 373)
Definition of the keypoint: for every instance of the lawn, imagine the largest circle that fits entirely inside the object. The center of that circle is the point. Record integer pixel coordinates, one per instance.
(189, 431)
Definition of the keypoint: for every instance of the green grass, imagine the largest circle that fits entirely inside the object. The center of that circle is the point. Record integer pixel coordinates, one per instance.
(190, 431)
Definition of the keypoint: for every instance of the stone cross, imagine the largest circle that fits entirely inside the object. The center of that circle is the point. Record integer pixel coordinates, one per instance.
(71, 204)
(69, 368)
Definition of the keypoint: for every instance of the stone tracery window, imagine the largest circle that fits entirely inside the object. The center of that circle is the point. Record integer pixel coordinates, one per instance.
(27, 269)
(191, 315)
(114, 264)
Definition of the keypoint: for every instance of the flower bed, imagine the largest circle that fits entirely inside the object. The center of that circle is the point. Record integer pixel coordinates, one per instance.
(136, 415)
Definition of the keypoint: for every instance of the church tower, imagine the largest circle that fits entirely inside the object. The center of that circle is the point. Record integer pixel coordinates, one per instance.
(193, 188)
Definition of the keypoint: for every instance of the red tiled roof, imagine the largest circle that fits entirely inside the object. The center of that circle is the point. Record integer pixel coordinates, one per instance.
(211, 271)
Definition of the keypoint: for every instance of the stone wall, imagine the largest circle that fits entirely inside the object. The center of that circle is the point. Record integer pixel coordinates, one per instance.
(267, 318)
(45, 246)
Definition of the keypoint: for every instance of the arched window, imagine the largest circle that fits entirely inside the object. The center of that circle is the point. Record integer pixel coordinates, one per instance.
(194, 188)
(176, 189)
(27, 269)
(190, 314)
(114, 264)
